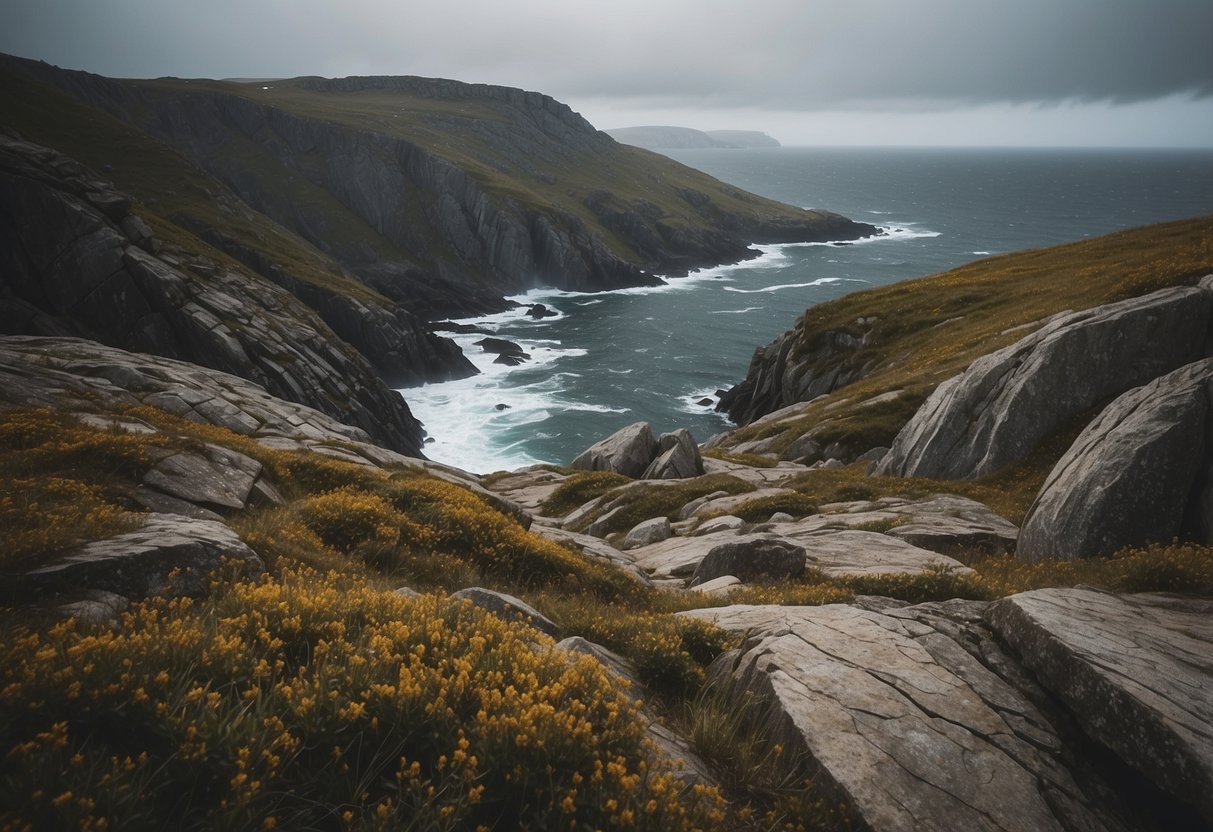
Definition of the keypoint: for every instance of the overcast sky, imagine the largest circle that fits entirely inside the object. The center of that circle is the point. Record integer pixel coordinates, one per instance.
(1046, 72)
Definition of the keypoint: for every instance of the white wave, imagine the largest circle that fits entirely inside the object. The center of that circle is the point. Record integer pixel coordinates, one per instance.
(620, 372)
(734, 311)
(821, 281)
(982, 253)
(691, 402)
(586, 407)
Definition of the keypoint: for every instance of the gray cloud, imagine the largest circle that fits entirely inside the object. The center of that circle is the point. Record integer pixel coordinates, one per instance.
(773, 55)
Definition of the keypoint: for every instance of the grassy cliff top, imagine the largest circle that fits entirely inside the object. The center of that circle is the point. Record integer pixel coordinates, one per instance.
(918, 333)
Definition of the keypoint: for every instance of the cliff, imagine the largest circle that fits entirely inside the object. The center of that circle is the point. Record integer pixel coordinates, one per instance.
(445, 196)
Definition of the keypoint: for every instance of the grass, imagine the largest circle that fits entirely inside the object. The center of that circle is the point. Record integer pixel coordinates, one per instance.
(579, 489)
(317, 701)
(642, 500)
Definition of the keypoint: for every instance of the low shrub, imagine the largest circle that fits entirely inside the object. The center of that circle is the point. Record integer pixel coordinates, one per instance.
(316, 701)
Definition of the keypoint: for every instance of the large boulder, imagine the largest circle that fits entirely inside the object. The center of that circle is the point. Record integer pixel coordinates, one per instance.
(1138, 474)
(678, 458)
(627, 451)
(997, 410)
(647, 532)
(1135, 670)
(751, 558)
(908, 721)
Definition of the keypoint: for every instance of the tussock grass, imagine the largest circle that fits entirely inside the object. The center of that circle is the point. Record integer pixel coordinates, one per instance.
(739, 731)
(579, 489)
(643, 500)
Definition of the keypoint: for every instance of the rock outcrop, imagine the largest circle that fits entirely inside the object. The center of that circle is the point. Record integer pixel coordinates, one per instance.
(1134, 670)
(1139, 473)
(917, 718)
(1005, 403)
(678, 457)
(167, 555)
(628, 451)
(635, 452)
(74, 260)
(797, 366)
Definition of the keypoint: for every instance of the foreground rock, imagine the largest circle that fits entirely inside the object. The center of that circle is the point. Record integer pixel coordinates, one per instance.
(1136, 671)
(909, 725)
(997, 410)
(508, 607)
(1138, 474)
(166, 555)
(83, 377)
(765, 558)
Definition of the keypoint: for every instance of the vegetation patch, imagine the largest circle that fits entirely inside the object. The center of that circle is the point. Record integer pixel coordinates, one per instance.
(759, 510)
(579, 489)
(643, 500)
(749, 460)
(318, 702)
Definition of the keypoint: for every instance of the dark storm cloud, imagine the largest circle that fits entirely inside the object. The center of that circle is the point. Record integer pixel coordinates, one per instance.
(777, 54)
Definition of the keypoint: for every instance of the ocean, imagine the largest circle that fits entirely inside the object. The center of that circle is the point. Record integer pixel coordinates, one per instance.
(613, 358)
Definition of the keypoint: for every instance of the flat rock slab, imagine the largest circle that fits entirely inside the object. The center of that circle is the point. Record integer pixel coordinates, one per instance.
(727, 505)
(217, 476)
(840, 554)
(910, 731)
(678, 557)
(1137, 671)
(942, 522)
(529, 488)
(167, 554)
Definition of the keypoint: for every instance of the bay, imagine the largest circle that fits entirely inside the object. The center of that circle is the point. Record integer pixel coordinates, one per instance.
(610, 359)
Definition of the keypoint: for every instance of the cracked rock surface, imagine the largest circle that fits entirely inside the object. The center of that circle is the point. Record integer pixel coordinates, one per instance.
(908, 723)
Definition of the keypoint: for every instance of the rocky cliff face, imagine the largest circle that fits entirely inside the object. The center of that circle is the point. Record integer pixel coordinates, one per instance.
(445, 196)
(785, 372)
(75, 261)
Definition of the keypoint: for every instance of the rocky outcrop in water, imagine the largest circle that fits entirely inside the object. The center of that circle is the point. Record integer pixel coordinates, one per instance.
(74, 260)
(796, 367)
(1138, 474)
(996, 412)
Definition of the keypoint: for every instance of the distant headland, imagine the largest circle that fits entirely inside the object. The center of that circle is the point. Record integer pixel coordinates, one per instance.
(668, 138)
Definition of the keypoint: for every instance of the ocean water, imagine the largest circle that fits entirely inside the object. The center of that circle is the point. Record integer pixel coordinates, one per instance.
(613, 358)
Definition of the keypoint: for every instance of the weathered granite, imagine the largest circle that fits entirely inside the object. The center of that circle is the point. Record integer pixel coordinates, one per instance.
(997, 410)
(757, 557)
(1135, 670)
(628, 451)
(508, 607)
(909, 729)
(1138, 474)
(678, 457)
(646, 532)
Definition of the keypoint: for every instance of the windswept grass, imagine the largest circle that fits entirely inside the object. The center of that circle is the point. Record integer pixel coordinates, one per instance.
(643, 500)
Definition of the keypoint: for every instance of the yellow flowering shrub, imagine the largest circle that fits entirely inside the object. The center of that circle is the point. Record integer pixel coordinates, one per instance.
(317, 701)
